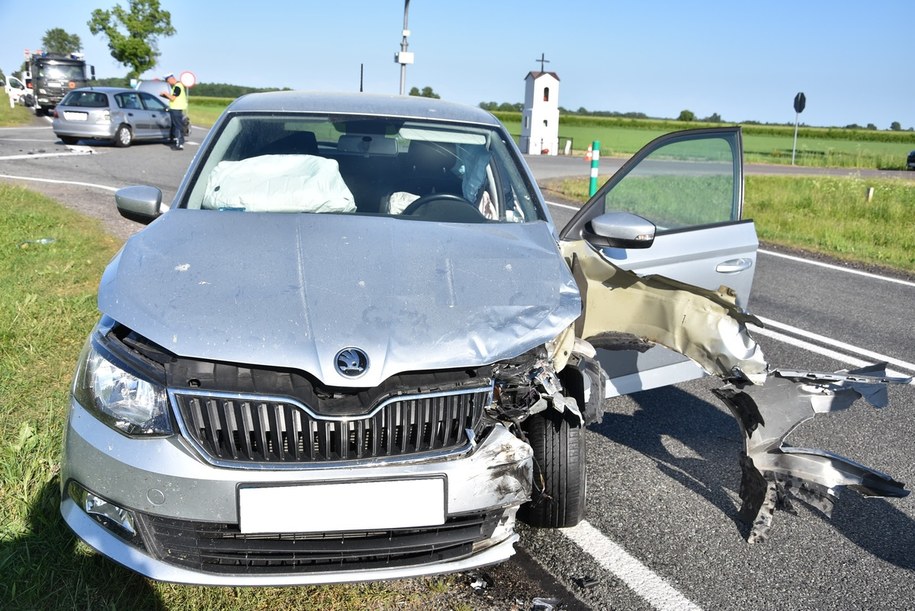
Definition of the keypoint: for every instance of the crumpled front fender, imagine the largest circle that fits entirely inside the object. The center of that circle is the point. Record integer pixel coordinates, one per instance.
(771, 470)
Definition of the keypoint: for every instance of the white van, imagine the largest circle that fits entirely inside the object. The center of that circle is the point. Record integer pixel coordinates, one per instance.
(15, 89)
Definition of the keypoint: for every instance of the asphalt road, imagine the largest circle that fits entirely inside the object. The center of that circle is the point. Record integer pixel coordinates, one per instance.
(661, 529)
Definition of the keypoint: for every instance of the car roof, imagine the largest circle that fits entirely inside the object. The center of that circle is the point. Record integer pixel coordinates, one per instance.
(413, 107)
(105, 89)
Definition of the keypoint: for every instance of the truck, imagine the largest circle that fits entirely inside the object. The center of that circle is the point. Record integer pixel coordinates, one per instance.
(49, 76)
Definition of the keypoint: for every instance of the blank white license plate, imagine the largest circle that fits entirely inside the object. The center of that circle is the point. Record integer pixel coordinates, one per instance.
(75, 116)
(329, 507)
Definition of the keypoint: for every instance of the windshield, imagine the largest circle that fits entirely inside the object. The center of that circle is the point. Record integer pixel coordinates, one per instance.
(408, 168)
(63, 72)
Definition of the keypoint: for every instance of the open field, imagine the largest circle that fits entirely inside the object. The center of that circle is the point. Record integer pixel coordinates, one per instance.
(816, 147)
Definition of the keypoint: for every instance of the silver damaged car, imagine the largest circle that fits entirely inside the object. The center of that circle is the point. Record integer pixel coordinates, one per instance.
(355, 347)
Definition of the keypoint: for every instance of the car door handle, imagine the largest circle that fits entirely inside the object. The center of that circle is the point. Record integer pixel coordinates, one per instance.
(732, 266)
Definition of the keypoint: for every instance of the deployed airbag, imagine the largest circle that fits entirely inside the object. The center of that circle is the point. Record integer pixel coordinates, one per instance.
(278, 183)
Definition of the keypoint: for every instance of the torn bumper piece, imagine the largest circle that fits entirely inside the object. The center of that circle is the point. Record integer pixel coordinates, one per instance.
(771, 470)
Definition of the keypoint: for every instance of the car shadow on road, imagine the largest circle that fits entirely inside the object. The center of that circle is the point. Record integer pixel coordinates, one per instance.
(48, 569)
(698, 445)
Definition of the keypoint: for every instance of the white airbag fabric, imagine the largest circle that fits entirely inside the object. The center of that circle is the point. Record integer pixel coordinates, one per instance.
(278, 183)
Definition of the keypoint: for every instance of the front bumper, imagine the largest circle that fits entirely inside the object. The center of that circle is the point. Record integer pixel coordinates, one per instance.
(163, 480)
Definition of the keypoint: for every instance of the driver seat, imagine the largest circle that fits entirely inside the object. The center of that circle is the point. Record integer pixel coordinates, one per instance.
(427, 169)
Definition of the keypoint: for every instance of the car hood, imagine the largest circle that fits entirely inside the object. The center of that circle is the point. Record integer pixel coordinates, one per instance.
(294, 290)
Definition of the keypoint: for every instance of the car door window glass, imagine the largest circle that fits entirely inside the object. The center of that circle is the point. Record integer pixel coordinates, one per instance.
(680, 185)
(152, 103)
(129, 101)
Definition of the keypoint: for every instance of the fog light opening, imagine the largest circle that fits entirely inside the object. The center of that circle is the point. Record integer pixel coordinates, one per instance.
(114, 518)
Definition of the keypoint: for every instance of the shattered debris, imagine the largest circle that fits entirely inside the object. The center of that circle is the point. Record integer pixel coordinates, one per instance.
(544, 604)
(586, 582)
(480, 580)
(772, 470)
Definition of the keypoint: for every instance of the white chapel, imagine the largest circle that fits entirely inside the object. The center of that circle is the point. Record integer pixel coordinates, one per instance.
(540, 117)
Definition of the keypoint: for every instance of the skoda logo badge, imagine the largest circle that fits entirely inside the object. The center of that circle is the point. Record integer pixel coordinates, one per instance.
(352, 362)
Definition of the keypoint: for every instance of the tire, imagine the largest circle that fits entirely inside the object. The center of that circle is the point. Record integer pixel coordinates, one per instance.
(69, 139)
(123, 137)
(558, 495)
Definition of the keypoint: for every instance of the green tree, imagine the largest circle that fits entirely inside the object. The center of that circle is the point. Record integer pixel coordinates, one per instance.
(896, 126)
(57, 40)
(713, 118)
(686, 115)
(425, 93)
(143, 22)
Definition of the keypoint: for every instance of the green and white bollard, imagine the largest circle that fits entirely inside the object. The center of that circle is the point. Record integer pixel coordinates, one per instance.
(595, 162)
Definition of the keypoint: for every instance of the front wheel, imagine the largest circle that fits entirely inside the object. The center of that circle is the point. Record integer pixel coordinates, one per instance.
(558, 495)
(123, 137)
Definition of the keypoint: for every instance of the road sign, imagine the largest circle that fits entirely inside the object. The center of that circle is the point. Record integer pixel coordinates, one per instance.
(800, 101)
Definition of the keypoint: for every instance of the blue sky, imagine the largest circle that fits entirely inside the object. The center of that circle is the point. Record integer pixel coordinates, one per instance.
(743, 60)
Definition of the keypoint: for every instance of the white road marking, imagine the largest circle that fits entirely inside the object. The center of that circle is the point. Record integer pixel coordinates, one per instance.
(61, 182)
(838, 268)
(567, 207)
(85, 150)
(876, 356)
(640, 579)
(45, 140)
(840, 356)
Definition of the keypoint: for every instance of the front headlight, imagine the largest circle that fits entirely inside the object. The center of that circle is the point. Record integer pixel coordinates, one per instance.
(119, 398)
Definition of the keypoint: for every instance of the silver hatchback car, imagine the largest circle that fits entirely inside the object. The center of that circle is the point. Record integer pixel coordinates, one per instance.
(356, 347)
(118, 115)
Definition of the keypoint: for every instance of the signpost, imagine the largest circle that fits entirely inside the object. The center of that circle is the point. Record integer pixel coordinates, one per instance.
(800, 101)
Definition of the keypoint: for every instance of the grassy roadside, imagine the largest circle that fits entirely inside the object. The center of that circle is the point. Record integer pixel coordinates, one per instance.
(826, 215)
(12, 117)
(47, 307)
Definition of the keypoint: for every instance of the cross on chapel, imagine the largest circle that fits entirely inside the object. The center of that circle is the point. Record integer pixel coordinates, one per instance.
(542, 60)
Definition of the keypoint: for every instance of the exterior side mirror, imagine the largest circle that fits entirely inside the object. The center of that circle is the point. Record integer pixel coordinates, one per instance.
(141, 204)
(619, 230)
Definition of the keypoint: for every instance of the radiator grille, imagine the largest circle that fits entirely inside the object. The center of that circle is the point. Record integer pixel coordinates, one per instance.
(250, 429)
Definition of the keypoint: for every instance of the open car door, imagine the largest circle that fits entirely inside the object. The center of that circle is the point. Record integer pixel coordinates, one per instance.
(664, 266)
(690, 186)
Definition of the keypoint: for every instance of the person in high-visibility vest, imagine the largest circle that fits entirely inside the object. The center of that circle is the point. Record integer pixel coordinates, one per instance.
(177, 106)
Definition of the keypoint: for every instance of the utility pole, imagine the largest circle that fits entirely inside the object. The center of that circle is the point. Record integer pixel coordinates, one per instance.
(404, 57)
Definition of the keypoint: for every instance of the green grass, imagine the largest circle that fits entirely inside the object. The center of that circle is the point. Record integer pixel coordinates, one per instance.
(827, 215)
(832, 216)
(47, 308)
(204, 111)
(12, 117)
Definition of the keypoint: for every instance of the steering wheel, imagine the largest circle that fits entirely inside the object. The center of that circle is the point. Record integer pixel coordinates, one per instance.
(444, 207)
